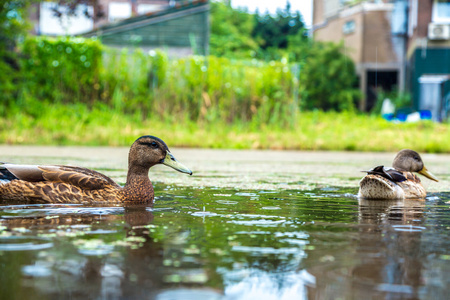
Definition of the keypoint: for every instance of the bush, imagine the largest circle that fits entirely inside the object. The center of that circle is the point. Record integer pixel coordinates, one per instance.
(63, 69)
(401, 100)
(12, 27)
(328, 78)
(196, 88)
(199, 88)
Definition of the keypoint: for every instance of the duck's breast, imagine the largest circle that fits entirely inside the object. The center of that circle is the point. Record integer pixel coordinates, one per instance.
(413, 189)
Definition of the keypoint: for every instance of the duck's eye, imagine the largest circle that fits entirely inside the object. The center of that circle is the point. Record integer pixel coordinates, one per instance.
(153, 145)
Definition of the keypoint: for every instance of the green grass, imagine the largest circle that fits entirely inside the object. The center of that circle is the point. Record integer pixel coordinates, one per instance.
(75, 124)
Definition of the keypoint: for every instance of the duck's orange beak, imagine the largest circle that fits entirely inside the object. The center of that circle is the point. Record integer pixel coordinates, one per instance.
(427, 174)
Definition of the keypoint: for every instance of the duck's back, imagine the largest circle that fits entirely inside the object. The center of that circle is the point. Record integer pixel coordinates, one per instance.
(56, 184)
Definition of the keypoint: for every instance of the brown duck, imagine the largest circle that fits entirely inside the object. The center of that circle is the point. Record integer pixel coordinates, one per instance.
(398, 182)
(67, 184)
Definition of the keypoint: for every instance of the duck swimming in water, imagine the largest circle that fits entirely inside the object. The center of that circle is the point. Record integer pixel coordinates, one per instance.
(67, 184)
(398, 182)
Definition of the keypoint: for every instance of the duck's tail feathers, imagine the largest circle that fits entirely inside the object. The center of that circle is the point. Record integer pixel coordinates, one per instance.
(5, 175)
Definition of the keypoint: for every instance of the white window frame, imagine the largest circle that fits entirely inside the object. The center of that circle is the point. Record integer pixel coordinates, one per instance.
(437, 19)
(413, 15)
(349, 27)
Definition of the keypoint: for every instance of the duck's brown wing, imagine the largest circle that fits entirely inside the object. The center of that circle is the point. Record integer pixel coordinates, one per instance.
(83, 178)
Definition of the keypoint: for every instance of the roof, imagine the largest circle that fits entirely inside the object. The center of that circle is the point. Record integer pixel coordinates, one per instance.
(177, 11)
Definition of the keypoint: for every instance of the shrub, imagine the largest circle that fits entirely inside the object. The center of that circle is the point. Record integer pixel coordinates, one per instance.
(12, 27)
(196, 88)
(200, 88)
(62, 69)
(327, 79)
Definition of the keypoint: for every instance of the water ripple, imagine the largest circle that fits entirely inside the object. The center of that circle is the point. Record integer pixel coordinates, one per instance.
(408, 228)
(266, 250)
(23, 243)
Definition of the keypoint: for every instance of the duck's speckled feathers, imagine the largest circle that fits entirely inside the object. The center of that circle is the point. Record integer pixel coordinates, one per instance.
(67, 184)
(56, 184)
(376, 186)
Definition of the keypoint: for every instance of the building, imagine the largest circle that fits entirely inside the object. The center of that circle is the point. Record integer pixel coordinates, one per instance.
(101, 12)
(395, 44)
(428, 56)
(180, 27)
(180, 30)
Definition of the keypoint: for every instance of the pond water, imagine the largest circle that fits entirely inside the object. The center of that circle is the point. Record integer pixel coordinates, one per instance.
(247, 225)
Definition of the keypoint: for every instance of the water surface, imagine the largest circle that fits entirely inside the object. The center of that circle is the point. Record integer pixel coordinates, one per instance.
(247, 225)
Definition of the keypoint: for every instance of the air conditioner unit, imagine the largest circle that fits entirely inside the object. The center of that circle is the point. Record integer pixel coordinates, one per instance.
(438, 31)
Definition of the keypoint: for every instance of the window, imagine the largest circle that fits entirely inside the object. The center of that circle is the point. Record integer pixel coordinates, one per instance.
(413, 16)
(49, 24)
(349, 27)
(441, 11)
(118, 11)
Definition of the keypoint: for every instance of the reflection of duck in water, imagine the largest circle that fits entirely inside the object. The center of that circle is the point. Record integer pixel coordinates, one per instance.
(391, 212)
(67, 184)
(50, 216)
(398, 182)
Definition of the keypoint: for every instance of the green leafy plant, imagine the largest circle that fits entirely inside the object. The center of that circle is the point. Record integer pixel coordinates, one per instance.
(62, 69)
(327, 79)
(401, 100)
(12, 28)
(231, 32)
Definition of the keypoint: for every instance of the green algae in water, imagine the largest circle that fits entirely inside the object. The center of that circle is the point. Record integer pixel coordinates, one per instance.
(232, 242)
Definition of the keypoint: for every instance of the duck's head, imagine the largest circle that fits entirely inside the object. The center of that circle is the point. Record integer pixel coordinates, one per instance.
(148, 151)
(410, 161)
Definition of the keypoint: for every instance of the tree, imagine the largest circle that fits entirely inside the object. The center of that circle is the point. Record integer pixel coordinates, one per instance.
(275, 33)
(231, 32)
(328, 78)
